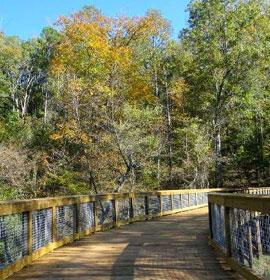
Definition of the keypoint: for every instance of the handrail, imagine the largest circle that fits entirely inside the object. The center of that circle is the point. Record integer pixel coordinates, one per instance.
(31, 228)
(17, 206)
(240, 230)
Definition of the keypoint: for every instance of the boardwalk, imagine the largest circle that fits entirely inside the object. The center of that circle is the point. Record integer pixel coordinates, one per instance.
(172, 247)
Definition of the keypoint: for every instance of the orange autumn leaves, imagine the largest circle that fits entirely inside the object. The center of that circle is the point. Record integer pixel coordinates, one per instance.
(101, 60)
(71, 132)
(98, 51)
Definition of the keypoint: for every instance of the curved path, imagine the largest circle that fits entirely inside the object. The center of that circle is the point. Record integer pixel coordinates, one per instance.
(172, 247)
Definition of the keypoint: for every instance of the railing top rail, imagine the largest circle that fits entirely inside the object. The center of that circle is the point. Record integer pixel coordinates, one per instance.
(251, 202)
(17, 206)
(256, 188)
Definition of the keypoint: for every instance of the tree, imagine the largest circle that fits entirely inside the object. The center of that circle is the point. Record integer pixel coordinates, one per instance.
(98, 66)
(225, 39)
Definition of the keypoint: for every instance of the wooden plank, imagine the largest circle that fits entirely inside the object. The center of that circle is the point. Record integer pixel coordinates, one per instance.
(131, 207)
(260, 203)
(216, 199)
(250, 247)
(29, 231)
(243, 270)
(115, 210)
(160, 204)
(240, 221)
(146, 204)
(258, 238)
(210, 220)
(54, 230)
(228, 231)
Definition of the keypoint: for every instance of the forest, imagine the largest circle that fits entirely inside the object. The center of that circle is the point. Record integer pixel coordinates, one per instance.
(100, 104)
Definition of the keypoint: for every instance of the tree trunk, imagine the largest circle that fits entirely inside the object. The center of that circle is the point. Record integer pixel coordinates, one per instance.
(25, 103)
(217, 133)
(158, 170)
(260, 147)
(218, 155)
(45, 107)
(169, 131)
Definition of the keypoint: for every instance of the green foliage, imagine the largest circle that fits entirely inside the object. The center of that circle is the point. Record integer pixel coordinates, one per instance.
(14, 130)
(104, 104)
(65, 183)
(195, 159)
(225, 56)
(8, 193)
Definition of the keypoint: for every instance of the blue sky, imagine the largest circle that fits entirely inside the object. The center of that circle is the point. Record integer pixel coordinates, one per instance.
(26, 18)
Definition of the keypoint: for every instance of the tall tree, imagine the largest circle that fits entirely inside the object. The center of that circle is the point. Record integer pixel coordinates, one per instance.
(98, 64)
(225, 39)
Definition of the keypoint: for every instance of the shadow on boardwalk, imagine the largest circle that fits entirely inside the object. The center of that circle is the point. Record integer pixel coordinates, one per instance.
(173, 247)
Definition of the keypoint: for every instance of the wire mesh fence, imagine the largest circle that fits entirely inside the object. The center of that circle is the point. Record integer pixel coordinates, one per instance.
(250, 240)
(13, 238)
(154, 205)
(124, 212)
(192, 198)
(199, 198)
(166, 203)
(185, 201)
(218, 225)
(41, 228)
(139, 206)
(105, 212)
(205, 198)
(86, 216)
(65, 221)
(177, 201)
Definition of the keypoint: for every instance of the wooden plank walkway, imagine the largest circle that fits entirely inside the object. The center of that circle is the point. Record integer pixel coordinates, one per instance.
(172, 247)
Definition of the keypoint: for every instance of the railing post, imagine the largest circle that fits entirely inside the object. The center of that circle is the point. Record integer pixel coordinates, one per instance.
(95, 214)
(30, 233)
(196, 199)
(258, 236)
(210, 220)
(115, 208)
(131, 207)
(54, 224)
(171, 201)
(78, 229)
(228, 231)
(241, 237)
(146, 204)
(160, 204)
(250, 247)
(188, 199)
(181, 201)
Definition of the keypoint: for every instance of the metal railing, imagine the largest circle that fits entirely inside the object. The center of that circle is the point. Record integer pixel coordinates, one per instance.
(240, 230)
(32, 228)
